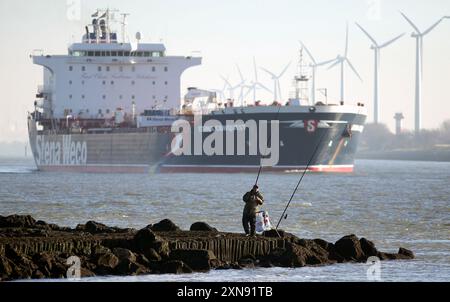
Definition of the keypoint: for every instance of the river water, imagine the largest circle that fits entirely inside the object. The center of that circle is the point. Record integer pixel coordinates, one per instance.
(393, 203)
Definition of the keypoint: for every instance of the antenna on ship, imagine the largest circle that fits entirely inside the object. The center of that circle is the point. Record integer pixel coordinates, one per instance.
(301, 80)
(124, 24)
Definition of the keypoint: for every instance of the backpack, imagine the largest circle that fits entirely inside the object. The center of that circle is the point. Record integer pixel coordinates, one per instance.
(246, 197)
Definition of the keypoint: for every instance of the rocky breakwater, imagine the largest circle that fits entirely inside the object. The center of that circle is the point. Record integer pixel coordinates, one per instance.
(36, 249)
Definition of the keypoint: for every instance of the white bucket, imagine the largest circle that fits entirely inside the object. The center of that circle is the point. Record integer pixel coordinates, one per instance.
(263, 222)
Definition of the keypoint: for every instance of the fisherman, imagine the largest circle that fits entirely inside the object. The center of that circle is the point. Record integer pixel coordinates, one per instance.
(253, 199)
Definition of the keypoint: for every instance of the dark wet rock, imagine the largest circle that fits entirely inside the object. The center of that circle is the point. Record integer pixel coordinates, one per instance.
(162, 248)
(6, 268)
(174, 267)
(144, 239)
(98, 250)
(368, 247)
(141, 259)
(322, 243)
(274, 233)
(349, 247)
(202, 226)
(124, 254)
(246, 262)
(84, 272)
(152, 255)
(198, 260)
(128, 267)
(107, 261)
(17, 221)
(41, 250)
(165, 225)
(96, 228)
(406, 253)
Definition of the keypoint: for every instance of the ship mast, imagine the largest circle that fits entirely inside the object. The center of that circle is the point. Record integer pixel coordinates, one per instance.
(301, 80)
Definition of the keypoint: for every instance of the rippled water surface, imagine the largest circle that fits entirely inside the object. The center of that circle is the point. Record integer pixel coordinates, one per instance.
(393, 203)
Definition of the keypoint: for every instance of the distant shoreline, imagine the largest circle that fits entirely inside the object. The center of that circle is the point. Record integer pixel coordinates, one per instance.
(410, 155)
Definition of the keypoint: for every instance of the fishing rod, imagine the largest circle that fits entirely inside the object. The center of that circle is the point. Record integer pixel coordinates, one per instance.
(300, 180)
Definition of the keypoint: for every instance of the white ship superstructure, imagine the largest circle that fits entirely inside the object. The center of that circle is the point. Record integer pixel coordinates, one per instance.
(101, 75)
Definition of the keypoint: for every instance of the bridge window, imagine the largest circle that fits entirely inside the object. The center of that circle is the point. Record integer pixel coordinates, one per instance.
(113, 53)
(97, 53)
(156, 54)
(126, 53)
(146, 54)
(120, 53)
(90, 53)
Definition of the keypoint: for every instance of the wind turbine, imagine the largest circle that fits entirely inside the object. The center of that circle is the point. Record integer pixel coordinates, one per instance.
(241, 85)
(376, 49)
(254, 85)
(418, 35)
(276, 81)
(231, 88)
(342, 60)
(314, 66)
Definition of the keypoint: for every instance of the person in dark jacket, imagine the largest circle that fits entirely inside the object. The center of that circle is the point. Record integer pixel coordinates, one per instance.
(253, 199)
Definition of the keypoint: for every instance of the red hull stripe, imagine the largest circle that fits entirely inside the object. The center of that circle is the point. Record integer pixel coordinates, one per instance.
(244, 169)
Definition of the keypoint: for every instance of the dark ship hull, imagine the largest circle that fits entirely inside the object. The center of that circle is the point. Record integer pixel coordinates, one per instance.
(321, 138)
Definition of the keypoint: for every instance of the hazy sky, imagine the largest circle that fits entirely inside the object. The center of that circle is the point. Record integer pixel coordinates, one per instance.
(233, 31)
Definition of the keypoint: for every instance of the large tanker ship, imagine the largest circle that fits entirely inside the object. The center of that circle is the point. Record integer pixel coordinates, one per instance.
(110, 106)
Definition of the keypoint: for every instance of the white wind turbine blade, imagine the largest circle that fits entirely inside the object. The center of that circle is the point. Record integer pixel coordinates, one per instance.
(338, 61)
(432, 27)
(226, 81)
(240, 73)
(284, 70)
(249, 89)
(411, 23)
(353, 68)
(263, 87)
(308, 52)
(325, 62)
(367, 34)
(346, 41)
(391, 41)
(255, 70)
(269, 72)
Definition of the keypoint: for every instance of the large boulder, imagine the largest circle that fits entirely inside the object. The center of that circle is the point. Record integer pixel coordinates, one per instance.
(349, 247)
(6, 268)
(124, 254)
(97, 227)
(174, 267)
(198, 260)
(107, 261)
(405, 253)
(368, 247)
(144, 239)
(17, 221)
(202, 226)
(165, 225)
